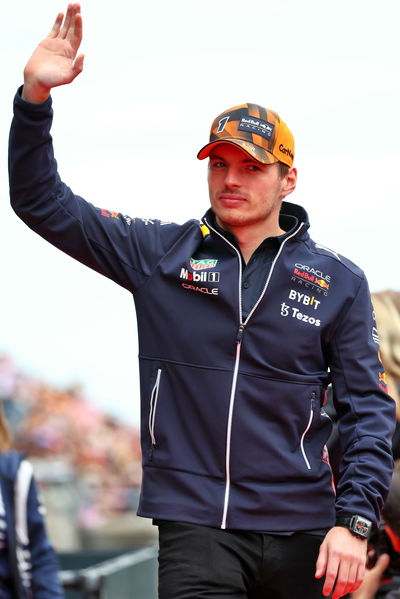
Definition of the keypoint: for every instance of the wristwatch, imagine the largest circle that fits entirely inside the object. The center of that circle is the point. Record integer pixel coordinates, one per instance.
(357, 525)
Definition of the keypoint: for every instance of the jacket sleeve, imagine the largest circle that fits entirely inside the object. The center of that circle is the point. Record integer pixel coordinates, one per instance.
(366, 412)
(122, 248)
(45, 581)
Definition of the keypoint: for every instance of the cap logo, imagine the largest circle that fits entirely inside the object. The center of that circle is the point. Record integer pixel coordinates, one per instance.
(258, 126)
(249, 147)
(222, 123)
(286, 151)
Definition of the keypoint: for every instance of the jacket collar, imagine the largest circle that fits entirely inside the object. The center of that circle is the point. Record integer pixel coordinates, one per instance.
(291, 212)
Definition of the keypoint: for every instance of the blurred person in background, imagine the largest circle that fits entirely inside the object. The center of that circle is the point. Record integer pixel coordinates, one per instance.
(28, 565)
(382, 580)
(387, 313)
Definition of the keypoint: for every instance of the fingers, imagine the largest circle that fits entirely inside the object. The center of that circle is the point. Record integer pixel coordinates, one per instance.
(348, 579)
(72, 25)
(77, 30)
(342, 581)
(57, 25)
(331, 575)
(67, 22)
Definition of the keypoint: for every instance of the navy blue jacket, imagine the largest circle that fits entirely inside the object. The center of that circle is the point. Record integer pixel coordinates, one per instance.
(233, 429)
(32, 564)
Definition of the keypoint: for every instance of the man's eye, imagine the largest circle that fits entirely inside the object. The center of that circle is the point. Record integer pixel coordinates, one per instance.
(253, 167)
(218, 164)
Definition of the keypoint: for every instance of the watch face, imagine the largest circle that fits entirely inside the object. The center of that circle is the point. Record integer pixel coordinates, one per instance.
(361, 526)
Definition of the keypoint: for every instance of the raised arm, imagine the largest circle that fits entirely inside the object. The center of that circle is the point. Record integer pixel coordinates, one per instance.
(122, 248)
(55, 61)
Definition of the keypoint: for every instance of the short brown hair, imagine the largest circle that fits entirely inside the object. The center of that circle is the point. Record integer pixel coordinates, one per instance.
(283, 169)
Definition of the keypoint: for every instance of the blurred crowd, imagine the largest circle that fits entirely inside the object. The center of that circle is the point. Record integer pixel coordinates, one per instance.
(72, 443)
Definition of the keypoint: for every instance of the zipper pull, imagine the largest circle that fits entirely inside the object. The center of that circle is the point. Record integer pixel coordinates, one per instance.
(240, 333)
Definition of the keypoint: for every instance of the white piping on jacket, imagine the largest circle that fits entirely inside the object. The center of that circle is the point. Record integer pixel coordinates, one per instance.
(303, 436)
(153, 406)
(237, 360)
(228, 438)
(22, 484)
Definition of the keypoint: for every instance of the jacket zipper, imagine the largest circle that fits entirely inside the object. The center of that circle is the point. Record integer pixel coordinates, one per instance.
(303, 451)
(237, 359)
(153, 407)
(229, 427)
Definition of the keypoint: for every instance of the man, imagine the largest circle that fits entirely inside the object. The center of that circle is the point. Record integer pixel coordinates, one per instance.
(243, 321)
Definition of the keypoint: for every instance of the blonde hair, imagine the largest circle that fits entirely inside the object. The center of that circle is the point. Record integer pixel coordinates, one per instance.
(387, 313)
(5, 435)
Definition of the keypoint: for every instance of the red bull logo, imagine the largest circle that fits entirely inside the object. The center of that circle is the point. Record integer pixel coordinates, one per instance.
(382, 378)
(382, 381)
(109, 213)
(322, 283)
(304, 275)
(311, 278)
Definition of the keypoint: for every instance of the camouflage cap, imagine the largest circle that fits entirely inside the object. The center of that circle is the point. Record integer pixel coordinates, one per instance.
(258, 131)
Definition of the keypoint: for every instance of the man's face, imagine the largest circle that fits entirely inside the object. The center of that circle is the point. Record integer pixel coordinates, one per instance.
(244, 192)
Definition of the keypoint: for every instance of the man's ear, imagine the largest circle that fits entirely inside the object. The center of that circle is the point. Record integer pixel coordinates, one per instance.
(289, 182)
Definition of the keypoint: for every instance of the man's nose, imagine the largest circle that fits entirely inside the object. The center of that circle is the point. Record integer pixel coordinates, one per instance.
(232, 178)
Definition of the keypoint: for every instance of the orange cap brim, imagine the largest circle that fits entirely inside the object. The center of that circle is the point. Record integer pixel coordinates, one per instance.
(257, 153)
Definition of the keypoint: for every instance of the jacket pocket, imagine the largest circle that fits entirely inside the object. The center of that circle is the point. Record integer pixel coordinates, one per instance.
(153, 407)
(313, 403)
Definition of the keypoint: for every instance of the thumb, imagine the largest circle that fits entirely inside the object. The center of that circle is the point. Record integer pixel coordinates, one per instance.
(78, 65)
(381, 564)
(322, 561)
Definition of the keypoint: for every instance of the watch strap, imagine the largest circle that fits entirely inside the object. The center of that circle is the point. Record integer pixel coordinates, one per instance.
(358, 525)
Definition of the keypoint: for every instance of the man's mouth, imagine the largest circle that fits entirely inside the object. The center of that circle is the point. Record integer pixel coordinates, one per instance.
(231, 200)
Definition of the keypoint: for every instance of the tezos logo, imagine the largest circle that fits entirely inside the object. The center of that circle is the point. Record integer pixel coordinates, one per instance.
(287, 310)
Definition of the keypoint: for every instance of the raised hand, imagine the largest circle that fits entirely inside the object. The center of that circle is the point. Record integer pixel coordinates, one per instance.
(55, 61)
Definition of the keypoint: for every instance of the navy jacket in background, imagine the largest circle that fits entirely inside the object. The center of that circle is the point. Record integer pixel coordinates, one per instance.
(32, 564)
(233, 426)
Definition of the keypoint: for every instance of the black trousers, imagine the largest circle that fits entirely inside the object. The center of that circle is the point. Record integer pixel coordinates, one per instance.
(198, 562)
